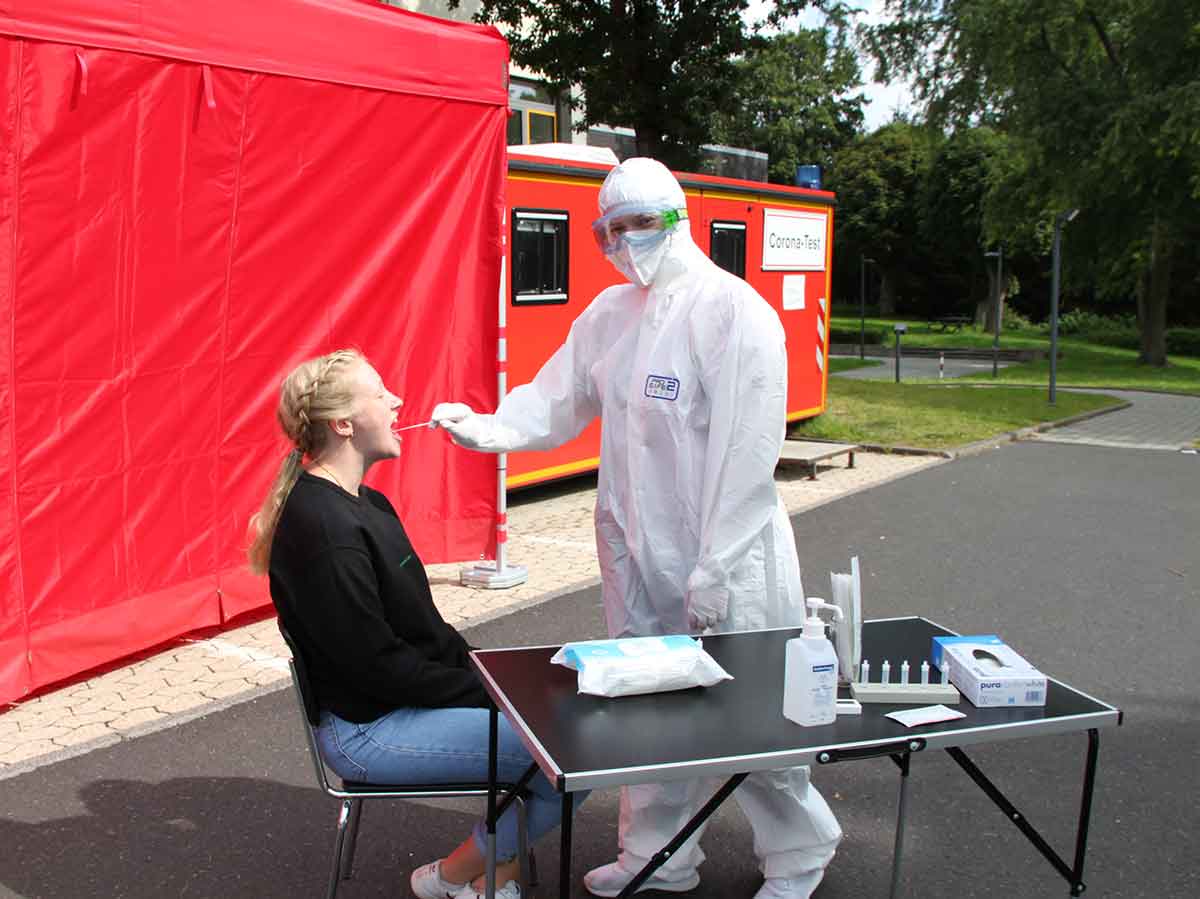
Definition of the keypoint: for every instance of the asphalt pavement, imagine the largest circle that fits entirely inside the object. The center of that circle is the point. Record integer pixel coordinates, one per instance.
(1083, 558)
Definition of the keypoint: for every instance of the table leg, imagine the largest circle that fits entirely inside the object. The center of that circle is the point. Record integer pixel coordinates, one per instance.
(680, 838)
(1073, 875)
(902, 759)
(564, 852)
(493, 752)
(1085, 809)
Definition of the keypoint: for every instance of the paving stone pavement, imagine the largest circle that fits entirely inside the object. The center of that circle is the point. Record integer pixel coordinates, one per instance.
(550, 534)
(1155, 421)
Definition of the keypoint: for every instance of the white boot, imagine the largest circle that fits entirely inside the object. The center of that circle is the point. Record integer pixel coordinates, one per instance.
(609, 880)
(800, 887)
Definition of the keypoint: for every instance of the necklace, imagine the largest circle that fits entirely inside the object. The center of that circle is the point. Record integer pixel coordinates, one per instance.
(332, 475)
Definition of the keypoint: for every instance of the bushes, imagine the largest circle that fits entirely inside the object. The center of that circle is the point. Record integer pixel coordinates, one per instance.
(1119, 331)
(847, 335)
(1122, 331)
(1183, 341)
(1015, 321)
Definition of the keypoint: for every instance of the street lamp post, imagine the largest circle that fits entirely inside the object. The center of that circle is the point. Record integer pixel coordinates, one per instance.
(999, 256)
(862, 306)
(1059, 220)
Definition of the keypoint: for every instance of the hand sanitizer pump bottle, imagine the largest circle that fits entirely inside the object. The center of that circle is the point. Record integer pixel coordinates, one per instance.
(811, 671)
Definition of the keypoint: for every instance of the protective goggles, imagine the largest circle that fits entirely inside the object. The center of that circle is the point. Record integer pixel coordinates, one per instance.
(634, 225)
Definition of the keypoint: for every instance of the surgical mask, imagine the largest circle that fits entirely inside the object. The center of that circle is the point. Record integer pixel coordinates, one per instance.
(638, 255)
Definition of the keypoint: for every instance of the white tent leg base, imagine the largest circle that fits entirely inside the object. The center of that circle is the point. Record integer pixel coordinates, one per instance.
(486, 575)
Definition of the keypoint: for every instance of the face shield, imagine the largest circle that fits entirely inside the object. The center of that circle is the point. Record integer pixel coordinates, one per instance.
(638, 228)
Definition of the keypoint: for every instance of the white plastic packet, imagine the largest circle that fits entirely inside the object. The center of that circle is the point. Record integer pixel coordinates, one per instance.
(847, 596)
(634, 665)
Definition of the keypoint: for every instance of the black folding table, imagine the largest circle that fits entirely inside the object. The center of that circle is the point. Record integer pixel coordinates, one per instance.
(584, 742)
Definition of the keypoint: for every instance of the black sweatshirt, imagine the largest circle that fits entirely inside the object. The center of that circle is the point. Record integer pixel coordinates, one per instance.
(354, 596)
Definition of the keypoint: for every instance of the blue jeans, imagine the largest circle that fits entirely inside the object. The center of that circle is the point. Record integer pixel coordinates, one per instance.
(432, 746)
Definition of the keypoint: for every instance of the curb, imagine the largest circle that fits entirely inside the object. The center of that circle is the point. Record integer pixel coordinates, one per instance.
(529, 603)
(979, 446)
(904, 450)
(1100, 387)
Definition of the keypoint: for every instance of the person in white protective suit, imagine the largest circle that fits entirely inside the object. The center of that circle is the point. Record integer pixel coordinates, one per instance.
(687, 369)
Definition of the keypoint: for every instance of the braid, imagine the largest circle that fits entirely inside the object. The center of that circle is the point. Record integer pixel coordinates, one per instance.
(310, 395)
(304, 436)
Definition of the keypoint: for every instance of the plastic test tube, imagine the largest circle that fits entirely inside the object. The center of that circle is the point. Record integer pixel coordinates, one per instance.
(924, 672)
(885, 672)
(904, 672)
(865, 676)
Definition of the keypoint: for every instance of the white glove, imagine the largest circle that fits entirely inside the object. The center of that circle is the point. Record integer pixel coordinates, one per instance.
(452, 412)
(707, 607)
(461, 422)
(474, 431)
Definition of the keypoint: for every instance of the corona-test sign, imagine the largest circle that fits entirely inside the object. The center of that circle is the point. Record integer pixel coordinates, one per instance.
(793, 240)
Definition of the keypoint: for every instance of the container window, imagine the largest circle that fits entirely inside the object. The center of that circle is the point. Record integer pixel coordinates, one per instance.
(728, 242)
(539, 256)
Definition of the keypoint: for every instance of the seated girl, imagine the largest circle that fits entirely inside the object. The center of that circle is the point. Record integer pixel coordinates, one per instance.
(399, 700)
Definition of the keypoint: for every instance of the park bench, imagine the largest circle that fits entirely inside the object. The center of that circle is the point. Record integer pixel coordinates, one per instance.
(950, 322)
(813, 451)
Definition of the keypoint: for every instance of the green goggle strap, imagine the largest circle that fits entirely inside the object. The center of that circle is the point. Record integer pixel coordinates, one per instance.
(672, 217)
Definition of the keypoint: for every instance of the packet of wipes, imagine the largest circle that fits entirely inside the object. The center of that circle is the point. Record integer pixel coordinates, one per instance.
(635, 665)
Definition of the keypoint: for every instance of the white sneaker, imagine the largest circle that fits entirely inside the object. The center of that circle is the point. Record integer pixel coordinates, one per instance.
(609, 880)
(511, 890)
(789, 887)
(427, 883)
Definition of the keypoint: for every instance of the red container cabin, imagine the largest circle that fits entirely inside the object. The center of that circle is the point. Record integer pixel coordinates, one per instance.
(780, 239)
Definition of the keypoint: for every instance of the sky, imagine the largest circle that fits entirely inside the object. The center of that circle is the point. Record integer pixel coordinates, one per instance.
(882, 99)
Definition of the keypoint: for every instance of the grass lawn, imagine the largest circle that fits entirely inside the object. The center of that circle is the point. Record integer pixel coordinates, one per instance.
(935, 415)
(1090, 365)
(922, 333)
(1082, 364)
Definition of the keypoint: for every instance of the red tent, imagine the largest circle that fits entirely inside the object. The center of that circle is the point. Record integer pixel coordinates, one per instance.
(193, 198)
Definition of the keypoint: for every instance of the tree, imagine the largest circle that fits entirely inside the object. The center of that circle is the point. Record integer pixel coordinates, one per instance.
(663, 68)
(793, 97)
(956, 199)
(1104, 94)
(878, 183)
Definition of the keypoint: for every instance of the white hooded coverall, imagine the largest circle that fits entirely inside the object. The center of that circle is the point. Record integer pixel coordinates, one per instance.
(689, 378)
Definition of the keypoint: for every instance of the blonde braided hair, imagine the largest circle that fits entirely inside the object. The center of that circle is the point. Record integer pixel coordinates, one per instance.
(316, 391)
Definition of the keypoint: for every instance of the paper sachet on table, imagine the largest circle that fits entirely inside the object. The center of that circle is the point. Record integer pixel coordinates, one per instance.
(633, 665)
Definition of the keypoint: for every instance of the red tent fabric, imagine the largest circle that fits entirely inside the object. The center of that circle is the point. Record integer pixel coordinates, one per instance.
(193, 198)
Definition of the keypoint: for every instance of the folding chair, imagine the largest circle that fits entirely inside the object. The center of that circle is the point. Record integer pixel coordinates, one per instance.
(352, 793)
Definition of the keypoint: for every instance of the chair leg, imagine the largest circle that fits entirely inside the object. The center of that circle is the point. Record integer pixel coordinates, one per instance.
(351, 839)
(339, 842)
